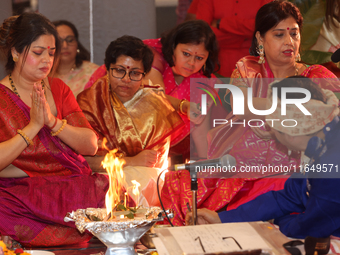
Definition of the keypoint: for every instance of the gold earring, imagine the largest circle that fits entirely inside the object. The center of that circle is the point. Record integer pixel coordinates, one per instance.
(78, 50)
(204, 66)
(298, 57)
(15, 58)
(261, 53)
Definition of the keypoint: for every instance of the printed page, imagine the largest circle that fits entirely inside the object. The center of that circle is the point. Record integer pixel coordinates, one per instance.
(214, 238)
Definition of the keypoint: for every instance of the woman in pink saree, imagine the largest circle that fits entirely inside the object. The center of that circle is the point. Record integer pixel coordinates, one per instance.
(275, 48)
(188, 51)
(42, 136)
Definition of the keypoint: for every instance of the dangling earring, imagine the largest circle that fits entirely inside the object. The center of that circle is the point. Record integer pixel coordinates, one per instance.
(204, 66)
(15, 58)
(289, 152)
(261, 53)
(298, 57)
(78, 51)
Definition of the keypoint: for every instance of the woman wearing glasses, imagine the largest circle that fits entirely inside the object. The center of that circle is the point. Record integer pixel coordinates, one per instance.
(74, 67)
(137, 120)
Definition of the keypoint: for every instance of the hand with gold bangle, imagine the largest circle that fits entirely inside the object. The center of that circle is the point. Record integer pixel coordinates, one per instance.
(181, 106)
(60, 129)
(190, 109)
(55, 122)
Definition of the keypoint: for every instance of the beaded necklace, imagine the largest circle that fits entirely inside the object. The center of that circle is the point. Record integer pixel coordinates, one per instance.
(15, 89)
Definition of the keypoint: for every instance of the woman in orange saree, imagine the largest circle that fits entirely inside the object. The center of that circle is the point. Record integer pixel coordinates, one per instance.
(133, 118)
(43, 132)
(277, 34)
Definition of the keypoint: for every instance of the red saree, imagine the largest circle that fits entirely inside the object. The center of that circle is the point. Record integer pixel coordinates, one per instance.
(244, 145)
(32, 208)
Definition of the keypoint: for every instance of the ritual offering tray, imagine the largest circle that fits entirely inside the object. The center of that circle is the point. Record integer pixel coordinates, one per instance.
(119, 230)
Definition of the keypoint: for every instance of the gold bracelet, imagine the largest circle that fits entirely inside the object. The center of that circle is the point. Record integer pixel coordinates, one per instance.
(60, 129)
(180, 110)
(25, 137)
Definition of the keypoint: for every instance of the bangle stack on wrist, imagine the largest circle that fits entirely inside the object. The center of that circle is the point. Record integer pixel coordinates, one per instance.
(60, 129)
(25, 137)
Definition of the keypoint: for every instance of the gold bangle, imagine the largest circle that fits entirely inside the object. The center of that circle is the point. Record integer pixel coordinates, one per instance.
(60, 129)
(25, 137)
(180, 110)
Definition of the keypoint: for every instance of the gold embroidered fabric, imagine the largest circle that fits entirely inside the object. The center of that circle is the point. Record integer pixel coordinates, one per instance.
(147, 121)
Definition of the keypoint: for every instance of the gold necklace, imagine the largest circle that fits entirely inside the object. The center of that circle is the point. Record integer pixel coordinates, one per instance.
(15, 89)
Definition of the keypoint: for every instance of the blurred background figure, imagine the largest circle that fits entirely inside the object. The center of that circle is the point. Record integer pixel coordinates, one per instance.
(321, 32)
(233, 23)
(191, 12)
(182, 9)
(74, 67)
(21, 6)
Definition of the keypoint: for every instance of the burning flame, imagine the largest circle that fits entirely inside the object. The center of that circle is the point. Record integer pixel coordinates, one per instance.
(114, 168)
(135, 190)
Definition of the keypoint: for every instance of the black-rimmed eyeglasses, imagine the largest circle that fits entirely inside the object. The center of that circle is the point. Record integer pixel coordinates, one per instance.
(70, 40)
(120, 74)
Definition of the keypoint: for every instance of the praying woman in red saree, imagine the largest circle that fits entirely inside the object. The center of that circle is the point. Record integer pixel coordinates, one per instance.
(43, 134)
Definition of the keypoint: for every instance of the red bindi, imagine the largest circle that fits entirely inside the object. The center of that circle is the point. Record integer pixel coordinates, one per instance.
(195, 53)
(127, 67)
(48, 47)
(287, 28)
